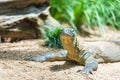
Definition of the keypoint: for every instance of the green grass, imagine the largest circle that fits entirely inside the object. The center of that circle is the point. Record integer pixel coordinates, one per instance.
(54, 38)
(88, 12)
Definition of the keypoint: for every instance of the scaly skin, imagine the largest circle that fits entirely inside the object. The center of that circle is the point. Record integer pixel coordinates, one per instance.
(85, 53)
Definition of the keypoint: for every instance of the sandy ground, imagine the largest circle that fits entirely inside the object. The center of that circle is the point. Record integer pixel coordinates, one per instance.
(14, 67)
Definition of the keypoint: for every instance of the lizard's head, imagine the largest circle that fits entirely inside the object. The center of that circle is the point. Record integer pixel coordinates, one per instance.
(68, 36)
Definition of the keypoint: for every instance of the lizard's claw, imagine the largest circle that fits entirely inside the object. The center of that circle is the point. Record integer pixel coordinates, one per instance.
(38, 59)
(86, 71)
(28, 59)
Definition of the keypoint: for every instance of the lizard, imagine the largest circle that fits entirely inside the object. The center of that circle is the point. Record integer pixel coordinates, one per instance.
(88, 54)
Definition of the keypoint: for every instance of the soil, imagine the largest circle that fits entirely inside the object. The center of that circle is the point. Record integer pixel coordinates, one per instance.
(13, 65)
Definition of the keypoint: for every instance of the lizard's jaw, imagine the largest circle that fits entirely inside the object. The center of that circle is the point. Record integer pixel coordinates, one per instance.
(67, 40)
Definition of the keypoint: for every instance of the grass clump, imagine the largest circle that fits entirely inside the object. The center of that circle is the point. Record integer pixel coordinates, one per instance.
(54, 38)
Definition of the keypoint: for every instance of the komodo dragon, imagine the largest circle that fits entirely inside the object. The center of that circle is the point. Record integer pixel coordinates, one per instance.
(84, 53)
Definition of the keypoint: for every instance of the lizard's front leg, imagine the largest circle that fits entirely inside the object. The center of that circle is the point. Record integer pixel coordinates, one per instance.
(50, 56)
(91, 63)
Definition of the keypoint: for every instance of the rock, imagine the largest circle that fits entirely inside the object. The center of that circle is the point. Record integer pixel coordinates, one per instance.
(8, 6)
(19, 18)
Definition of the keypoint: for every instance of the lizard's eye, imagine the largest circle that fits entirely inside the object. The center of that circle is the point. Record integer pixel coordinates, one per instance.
(72, 30)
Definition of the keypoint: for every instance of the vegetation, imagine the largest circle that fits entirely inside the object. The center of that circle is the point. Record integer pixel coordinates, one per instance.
(89, 12)
(54, 38)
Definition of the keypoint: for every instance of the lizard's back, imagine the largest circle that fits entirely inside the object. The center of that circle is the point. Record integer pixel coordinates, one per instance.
(105, 51)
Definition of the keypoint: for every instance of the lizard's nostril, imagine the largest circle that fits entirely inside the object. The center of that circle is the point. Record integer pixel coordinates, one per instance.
(67, 31)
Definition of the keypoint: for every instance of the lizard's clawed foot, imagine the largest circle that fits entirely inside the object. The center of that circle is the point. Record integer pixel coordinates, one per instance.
(85, 71)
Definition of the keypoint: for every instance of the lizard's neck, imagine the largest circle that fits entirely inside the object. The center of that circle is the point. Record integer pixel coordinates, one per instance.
(75, 47)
